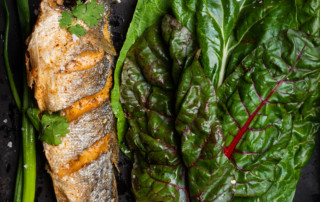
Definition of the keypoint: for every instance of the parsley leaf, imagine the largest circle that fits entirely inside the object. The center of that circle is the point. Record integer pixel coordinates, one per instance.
(66, 19)
(51, 126)
(77, 30)
(89, 13)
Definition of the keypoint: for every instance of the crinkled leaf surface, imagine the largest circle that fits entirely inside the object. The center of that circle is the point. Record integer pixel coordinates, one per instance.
(260, 21)
(146, 14)
(201, 139)
(152, 66)
(227, 31)
(247, 39)
(224, 25)
(273, 97)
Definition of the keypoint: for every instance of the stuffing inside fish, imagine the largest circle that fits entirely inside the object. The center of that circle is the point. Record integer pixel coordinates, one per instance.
(74, 75)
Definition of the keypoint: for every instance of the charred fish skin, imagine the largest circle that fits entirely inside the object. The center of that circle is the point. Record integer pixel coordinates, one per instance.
(74, 75)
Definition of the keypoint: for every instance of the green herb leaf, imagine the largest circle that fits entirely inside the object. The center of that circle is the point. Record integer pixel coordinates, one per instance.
(77, 30)
(51, 126)
(90, 13)
(66, 19)
(79, 9)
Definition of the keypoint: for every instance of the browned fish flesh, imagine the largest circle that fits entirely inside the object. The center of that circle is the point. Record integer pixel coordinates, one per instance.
(74, 75)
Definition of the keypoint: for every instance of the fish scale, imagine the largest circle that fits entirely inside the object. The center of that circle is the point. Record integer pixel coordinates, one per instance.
(82, 166)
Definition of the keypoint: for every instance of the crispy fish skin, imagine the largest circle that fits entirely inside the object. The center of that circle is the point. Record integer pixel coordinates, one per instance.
(66, 71)
(55, 57)
(94, 181)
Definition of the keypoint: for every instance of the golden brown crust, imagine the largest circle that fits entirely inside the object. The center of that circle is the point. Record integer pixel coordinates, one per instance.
(88, 103)
(82, 167)
(85, 60)
(86, 157)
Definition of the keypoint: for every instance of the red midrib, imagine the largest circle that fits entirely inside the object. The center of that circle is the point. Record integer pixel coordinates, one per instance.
(235, 141)
(229, 150)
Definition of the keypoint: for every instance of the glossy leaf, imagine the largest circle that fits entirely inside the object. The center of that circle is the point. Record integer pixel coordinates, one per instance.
(226, 30)
(269, 98)
(273, 98)
(260, 21)
(201, 138)
(148, 93)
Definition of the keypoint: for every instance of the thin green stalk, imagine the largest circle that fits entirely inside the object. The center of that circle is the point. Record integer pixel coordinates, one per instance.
(24, 17)
(28, 132)
(6, 59)
(29, 150)
(19, 180)
(26, 173)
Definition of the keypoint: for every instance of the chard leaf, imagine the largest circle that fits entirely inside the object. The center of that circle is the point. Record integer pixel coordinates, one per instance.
(201, 138)
(180, 44)
(223, 25)
(260, 21)
(147, 94)
(267, 104)
(146, 14)
(226, 30)
(271, 103)
(249, 40)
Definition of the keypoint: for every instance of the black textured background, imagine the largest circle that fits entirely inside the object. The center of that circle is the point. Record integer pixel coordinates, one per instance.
(308, 188)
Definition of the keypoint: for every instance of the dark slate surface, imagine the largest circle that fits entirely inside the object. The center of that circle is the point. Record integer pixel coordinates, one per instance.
(308, 188)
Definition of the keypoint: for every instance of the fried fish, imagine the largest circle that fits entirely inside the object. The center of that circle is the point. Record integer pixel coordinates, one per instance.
(74, 75)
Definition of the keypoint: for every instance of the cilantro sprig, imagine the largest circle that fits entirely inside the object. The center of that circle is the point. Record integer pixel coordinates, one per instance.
(89, 13)
(51, 126)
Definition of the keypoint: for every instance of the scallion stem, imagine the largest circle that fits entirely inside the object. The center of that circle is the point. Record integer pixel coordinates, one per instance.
(19, 180)
(26, 173)
(6, 59)
(28, 132)
(29, 150)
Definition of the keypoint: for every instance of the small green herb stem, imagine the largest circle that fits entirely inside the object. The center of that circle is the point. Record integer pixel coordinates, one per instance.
(6, 59)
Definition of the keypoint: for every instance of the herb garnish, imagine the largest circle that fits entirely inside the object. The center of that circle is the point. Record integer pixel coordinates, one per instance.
(89, 13)
(51, 126)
